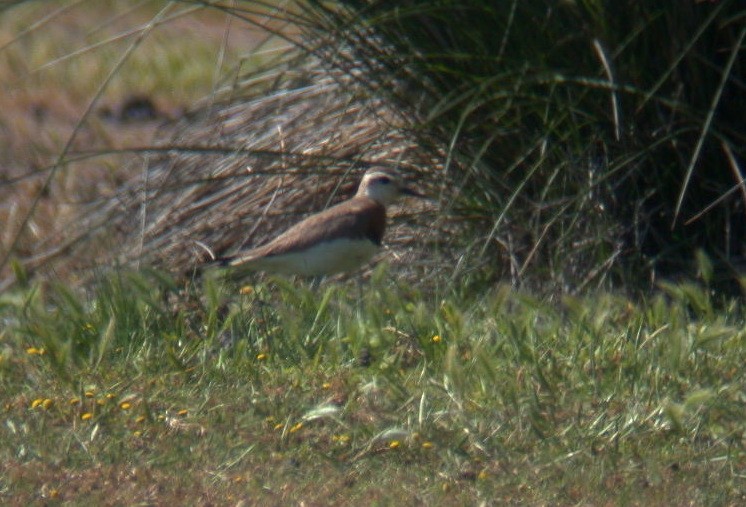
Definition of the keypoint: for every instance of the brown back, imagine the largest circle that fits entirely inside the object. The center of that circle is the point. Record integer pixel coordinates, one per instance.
(358, 218)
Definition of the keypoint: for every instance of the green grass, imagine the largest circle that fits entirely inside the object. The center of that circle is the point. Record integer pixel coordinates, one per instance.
(140, 393)
(70, 55)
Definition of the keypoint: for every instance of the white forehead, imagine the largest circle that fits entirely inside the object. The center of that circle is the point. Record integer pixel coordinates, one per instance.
(380, 178)
(380, 170)
(380, 185)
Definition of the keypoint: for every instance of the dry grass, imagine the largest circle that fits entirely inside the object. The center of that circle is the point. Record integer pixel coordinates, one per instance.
(234, 178)
(52, 69)
(250, 159)
(528, 175)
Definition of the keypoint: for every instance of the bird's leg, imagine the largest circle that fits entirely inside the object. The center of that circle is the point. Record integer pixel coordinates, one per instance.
(360, 305)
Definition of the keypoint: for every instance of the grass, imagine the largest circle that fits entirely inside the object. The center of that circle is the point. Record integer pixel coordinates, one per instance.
(587, 139)
(573, 154)
(52, 67)
(142, 391)
(136, 394)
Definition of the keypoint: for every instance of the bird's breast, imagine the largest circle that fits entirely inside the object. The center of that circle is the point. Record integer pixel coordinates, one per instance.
(326, 258)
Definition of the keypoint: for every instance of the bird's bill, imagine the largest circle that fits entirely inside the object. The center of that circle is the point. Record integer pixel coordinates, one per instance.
(413, 193)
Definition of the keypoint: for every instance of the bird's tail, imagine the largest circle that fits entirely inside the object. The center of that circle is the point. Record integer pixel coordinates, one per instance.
(232, 267)
(223, 262)
(213, 268)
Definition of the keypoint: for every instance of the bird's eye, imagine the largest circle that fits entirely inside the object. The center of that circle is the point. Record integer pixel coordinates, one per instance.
(384, 180)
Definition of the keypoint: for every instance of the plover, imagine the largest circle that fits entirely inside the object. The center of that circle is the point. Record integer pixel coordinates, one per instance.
(337, 239)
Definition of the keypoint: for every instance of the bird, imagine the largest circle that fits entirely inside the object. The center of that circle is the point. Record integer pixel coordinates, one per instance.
(339, 239)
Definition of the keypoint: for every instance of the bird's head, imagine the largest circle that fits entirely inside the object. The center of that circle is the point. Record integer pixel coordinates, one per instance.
(384, 187)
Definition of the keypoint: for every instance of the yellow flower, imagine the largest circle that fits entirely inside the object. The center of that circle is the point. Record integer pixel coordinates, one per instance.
(437, 338)
(37, 402)
(47, 403)
(394, 444)
(137, 433)
(86, 416)
(246, 290)
(125, 405)
(74, 401)
(183, 412)
(482, 475)
(278, 426)
(89, 394)
(140, 419)
(427, 445)
(296, 427)
(261, 357)
(33, 351)
(326, 385)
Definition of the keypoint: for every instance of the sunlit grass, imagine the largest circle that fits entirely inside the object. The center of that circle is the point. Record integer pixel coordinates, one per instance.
(82, 43)
(503, 396)
(141, 391)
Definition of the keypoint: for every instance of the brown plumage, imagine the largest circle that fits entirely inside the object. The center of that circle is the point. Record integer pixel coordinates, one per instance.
(359, 218)
(340, 238)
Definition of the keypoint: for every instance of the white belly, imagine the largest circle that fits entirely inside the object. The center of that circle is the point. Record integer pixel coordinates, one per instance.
(323, 259)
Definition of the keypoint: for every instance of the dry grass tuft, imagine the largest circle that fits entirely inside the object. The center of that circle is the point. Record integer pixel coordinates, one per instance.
(238, 172)
(289, 133)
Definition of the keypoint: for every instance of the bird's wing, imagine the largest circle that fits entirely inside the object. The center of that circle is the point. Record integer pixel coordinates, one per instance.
(362, 215)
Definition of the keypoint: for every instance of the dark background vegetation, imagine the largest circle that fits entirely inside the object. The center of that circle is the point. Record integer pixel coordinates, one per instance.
(601, 133)
(576, 144)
